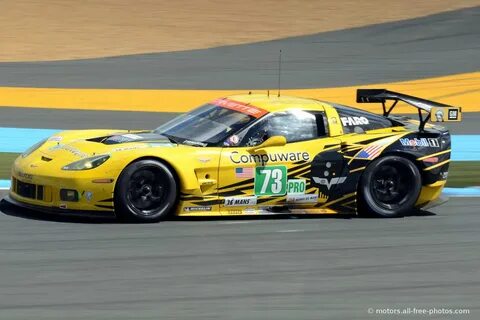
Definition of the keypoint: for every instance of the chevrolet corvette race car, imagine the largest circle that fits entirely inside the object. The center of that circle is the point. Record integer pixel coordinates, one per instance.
(246, 155)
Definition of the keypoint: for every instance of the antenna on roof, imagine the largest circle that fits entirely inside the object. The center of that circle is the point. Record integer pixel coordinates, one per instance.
(279, 71)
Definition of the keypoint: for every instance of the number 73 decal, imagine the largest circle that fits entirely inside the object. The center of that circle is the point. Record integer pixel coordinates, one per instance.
(271, 181)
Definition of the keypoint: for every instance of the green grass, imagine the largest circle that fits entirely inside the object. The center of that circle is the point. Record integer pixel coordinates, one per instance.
(461, 173)
(464, 174)
(6, 161)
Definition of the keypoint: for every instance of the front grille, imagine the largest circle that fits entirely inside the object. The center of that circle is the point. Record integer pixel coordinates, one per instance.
(39, 192)
(28, 190)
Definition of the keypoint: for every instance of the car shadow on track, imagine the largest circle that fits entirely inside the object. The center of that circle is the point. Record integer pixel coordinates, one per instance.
(11, 210)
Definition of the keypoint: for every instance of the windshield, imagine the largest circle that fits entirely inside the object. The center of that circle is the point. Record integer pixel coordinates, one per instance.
(207, 125)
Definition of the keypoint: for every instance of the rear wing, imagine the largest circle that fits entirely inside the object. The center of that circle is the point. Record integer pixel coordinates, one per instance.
(442, 112)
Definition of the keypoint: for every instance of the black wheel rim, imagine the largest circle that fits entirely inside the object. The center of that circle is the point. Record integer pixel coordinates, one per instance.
(147, 191)
(391, 184)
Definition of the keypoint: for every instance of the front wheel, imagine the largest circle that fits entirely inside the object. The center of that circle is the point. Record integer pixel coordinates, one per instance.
(389, 187)
(145, 192)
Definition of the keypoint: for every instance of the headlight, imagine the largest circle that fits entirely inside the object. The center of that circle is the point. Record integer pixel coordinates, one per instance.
(88, 163)
(33, 148)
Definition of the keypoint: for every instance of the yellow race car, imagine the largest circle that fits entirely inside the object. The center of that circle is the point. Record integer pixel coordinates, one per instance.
(246, 155)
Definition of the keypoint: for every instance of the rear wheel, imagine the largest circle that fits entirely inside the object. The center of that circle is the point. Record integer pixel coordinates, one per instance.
(145, 192)
(389, 187)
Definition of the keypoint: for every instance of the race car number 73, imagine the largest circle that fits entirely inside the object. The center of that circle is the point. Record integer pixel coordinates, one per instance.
(270, 180)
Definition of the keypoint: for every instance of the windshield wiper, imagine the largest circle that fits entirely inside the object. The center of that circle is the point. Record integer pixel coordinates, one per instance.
(195, 143)
(178, 140)
(172, 139)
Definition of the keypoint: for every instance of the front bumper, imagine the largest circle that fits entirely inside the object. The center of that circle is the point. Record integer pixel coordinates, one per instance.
(44, 193)
(431, 195)
(57, 211)
(435, 203)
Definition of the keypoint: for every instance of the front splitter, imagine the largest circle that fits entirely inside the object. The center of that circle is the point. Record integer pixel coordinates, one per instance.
(59, 211)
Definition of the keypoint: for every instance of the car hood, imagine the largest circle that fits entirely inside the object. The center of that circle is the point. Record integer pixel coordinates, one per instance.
(76, 145)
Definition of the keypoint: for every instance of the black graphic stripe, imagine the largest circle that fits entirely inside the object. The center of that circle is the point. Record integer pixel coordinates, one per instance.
(190, 198)
(299, 173)
(237, 184)
(208, 202)
(300, 162)
(276, 199)
(232, 193)
(104, 206)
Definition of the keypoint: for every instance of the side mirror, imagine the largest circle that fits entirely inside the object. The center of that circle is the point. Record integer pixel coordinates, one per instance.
(275, 141)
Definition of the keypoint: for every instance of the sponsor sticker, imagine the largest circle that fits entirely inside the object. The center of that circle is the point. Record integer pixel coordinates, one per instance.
(452, 114)
(88, 195)
(233, 140)
(302, 198)
(249, 211)
(271, 181)
(296, 186)
(126, 148)
(262, 159)
(24, 175)
(442, 114)
(354, 121)
(422, 142)
(240, 201)
(70, 149)
(199, 208)
(240, 107)
(439, 115)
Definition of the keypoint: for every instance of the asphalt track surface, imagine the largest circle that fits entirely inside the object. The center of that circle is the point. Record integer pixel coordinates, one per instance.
(315, 268)
(80, 119)
(440, 44)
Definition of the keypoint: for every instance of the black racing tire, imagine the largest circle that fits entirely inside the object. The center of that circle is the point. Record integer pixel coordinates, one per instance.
(146, 191)
(389, 187)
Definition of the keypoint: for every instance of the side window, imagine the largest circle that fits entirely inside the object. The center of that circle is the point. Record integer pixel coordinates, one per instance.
(295, 125)
(357, 121)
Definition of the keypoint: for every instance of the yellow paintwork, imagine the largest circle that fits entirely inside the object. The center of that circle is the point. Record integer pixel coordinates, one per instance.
(430, 193)
(205, 175)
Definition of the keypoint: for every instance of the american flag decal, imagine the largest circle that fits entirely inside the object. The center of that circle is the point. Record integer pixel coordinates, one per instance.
(374, 149)
(370, 152)
(244, 172)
